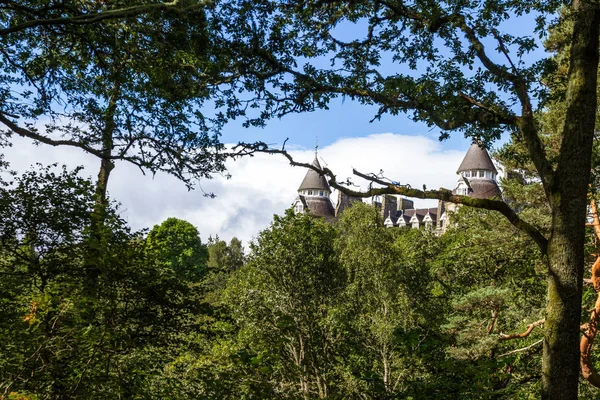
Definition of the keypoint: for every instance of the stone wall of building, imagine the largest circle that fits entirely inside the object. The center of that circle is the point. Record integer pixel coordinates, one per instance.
(344, 201)
(389, 206)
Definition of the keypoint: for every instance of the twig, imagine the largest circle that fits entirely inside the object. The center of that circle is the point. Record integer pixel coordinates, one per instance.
(524, 334)
(523, 349)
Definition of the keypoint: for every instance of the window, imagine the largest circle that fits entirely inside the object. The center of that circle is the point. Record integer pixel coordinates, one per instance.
(467, 174)
(428, 224)
(481, 174)
(298, 208)
(310, 192)
(321, 193)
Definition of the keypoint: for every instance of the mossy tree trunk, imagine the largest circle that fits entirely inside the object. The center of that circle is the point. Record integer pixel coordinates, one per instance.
(567, 193)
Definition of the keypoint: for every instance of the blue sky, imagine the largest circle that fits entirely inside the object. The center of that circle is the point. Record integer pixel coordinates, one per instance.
(344, 119)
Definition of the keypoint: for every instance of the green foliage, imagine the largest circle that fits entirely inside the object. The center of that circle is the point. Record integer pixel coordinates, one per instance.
(281, 299)
(493, 276)
(352, 310)
(59, 340)
(385, 303)
(176, 244)
(223, 257)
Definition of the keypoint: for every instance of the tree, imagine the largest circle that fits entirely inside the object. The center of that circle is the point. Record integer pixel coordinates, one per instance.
(61, 341)
(386, 308)
(492, 275)
(176, 244)
(223, 257)
(281, 300)
(92, 58)
(457, 81)
(145, 82)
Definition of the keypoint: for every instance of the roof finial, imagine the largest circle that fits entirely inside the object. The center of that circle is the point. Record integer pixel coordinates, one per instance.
(316, 145)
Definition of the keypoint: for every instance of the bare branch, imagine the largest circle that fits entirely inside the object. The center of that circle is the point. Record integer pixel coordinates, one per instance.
(405, 190)
(521, 350)
(527, 332)
(43, 139)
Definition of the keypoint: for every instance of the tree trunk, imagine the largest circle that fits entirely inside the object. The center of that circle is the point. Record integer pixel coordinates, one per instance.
(560, 362)
(567, 195)
(101, 202)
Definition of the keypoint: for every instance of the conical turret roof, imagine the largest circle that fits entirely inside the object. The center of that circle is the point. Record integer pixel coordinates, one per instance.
(313, 180)
(477, 158)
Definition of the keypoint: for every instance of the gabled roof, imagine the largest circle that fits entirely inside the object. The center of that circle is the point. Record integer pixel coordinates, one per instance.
(391, 220)
(312, 180)
(477, 158)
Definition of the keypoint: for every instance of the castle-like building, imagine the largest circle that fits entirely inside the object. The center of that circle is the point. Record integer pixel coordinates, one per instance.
(476, 178)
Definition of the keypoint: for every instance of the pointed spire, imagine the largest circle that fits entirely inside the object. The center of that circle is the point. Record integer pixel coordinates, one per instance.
(312, 180)
(476, 158)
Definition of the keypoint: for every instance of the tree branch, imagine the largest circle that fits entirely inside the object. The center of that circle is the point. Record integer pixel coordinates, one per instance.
(43, 139)
(527, 332)
(405, 190)
(86, 19)
(521, 350)
(525, 122)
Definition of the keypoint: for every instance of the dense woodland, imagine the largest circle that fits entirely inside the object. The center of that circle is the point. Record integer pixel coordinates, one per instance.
(501, 306)
(312, 310)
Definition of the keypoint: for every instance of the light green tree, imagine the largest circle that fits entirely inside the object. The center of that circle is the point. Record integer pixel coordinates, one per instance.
(281, 301)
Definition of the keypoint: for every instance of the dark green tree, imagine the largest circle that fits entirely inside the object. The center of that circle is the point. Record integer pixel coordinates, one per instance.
(61, 341)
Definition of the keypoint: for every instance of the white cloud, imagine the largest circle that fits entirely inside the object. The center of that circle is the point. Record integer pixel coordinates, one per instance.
(260, 186)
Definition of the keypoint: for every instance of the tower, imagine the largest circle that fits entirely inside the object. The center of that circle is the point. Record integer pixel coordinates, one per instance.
(476, 178)
(477, 175)
(313, 194)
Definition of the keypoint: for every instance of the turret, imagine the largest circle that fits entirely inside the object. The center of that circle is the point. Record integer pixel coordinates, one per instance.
(477, 175)
(313, 194)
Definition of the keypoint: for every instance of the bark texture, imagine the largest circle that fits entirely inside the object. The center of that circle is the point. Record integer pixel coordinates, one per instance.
(567, 195)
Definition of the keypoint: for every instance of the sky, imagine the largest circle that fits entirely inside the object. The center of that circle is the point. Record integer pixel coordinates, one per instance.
(264, 185)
